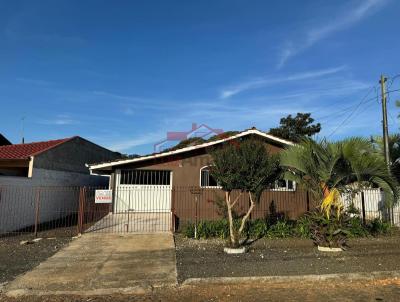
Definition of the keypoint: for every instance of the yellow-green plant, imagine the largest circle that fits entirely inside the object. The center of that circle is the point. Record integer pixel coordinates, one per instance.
(332, 202)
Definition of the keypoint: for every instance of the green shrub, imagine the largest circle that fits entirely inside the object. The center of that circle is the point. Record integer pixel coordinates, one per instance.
(352, 209)
(329, 232)
(356, 227)
(208, 229)
(188, 230)
(311, 225)
(302, 228)
(213, 229)
(281, 229)
(379, 227)
(257, 228)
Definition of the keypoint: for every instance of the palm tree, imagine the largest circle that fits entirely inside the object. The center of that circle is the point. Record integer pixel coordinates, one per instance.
(351, 164)
(394, 152)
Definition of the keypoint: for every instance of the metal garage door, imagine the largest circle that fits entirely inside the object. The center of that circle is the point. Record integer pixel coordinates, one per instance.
(146, 191)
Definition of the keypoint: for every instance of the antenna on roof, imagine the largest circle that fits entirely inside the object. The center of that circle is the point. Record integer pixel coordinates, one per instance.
(22, 129)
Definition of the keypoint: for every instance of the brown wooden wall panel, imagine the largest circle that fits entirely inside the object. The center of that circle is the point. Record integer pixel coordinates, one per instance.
(195, 204)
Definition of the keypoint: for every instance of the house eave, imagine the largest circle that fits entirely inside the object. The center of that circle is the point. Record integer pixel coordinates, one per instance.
(109, 165)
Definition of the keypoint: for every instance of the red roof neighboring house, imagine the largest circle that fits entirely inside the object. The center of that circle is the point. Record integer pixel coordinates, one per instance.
(24, 151)
(4, 141)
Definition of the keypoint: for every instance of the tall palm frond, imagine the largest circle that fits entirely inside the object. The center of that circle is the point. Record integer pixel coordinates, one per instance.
(351, 163)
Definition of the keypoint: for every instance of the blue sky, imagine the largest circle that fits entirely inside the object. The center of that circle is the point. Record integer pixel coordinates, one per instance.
(122, 73)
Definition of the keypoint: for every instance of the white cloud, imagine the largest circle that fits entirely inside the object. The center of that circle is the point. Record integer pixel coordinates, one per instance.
(261, 82)
(35, 82)
(144, 139)
(348, 18)
(60, 120)
(130, 104)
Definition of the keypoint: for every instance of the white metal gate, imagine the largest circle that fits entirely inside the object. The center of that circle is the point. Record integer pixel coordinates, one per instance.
(143, 191)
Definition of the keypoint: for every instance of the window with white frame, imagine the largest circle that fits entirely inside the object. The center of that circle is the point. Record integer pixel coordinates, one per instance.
(206, 180)
(145, 177)
(285, 185)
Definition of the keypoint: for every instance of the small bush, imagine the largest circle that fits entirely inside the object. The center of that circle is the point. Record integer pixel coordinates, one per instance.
(213, 229)
(188, 230)
(329, 232)
(208, 229)
(379, 227)
(257, 228)
(307, 226)
(281, 229)
(302, 228)
(352, 209)
(356, 227)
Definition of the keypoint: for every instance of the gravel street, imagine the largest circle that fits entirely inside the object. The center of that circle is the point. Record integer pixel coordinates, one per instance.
(381, 290)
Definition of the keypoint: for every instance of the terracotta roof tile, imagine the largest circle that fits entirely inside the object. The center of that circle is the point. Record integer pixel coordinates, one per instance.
(24, 151)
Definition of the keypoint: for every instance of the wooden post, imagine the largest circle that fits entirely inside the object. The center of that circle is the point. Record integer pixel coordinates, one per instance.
(308, 201)
(196, 191)
(195, 217)
(83, 208)
(37, 209)
(173, 211)
(363, 207)
(80, 211)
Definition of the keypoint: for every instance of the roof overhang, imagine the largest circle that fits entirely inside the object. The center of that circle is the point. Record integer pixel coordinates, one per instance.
(109, 165)
(14, 162)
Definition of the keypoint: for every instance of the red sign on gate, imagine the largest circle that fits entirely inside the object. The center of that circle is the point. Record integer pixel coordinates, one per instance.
(103, 196)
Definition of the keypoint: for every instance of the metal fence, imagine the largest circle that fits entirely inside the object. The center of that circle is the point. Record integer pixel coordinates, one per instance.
(156, 208)
(38, 209)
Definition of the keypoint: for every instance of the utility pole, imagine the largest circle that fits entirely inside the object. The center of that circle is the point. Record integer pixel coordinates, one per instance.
(382, 81)
(384, 121)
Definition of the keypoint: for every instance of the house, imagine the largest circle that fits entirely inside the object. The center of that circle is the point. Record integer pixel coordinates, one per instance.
(56, 162)
(173, 137)
(180, 179)
(4, 141)
(40, 181)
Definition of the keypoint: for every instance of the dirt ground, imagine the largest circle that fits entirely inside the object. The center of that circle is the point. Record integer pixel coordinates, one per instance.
(266, 257)
(269, 257)
(16, 259)
(381, 290)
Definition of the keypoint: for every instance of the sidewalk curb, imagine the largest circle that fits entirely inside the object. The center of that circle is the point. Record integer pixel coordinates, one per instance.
(349, 277)
(136, 290)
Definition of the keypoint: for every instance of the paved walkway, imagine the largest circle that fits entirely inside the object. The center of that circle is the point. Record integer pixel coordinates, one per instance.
(103, 264)
(133, 222)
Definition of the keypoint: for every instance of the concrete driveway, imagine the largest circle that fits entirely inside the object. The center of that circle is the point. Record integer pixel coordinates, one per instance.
(135, 222)
(103, 264)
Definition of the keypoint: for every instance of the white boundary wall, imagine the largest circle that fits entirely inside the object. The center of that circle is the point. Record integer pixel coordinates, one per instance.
(59, 196)
(374, 201)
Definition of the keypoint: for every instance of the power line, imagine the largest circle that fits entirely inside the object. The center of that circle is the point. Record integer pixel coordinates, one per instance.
(343, 111)
(392, 80)
(352, 112)
(375, 98)
(388, 100)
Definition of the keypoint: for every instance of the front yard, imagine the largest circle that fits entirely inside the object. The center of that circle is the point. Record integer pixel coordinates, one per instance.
(17, 258)
(278, 257)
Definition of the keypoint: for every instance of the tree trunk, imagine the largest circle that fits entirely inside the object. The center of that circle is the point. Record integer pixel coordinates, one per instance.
(230, 218)
(233, 235)
(244, 219)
